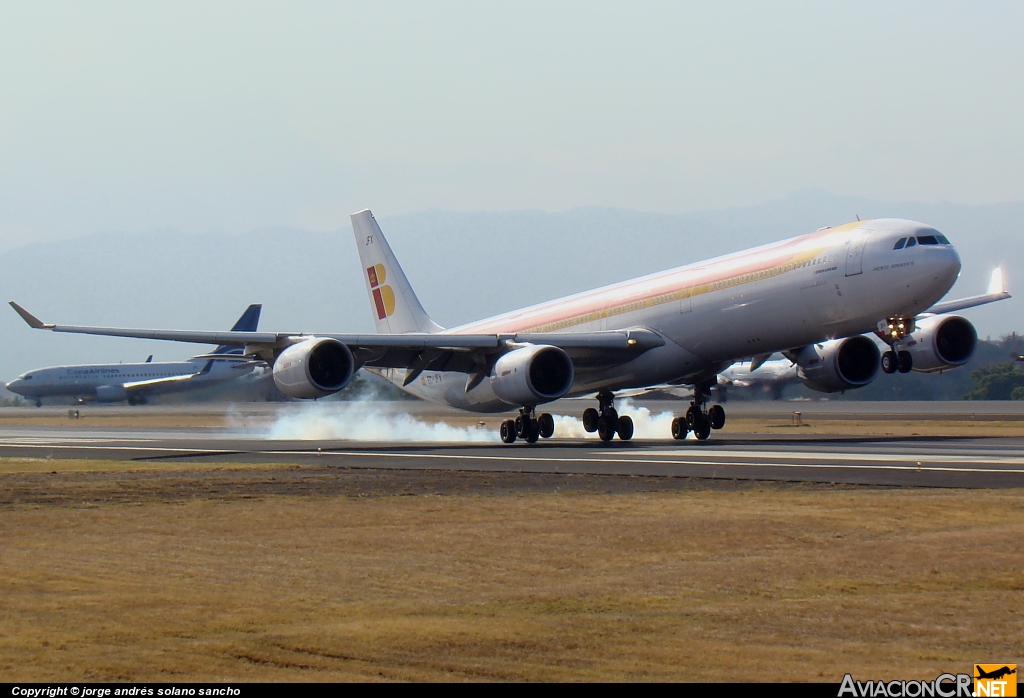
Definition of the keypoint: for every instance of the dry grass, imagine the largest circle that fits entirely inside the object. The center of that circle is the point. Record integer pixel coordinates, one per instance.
(787, 583)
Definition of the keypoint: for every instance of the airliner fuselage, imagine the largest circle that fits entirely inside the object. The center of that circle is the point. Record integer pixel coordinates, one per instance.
(836, 282)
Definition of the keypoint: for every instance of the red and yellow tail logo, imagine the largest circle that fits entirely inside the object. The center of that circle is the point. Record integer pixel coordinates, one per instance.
(383, 295)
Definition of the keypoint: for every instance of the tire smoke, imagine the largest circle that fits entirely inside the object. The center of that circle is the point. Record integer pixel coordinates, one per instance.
(646, 426)
(364, 421)
(373, 421)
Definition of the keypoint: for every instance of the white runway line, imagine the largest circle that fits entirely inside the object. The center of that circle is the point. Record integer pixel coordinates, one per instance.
(867, 455)
(645, 461)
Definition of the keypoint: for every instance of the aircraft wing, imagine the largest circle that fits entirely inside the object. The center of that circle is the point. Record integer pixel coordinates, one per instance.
(142, 386)
(448, 352)
(996, 292)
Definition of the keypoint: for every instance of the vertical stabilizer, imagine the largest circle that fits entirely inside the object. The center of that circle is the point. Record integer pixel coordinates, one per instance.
(396, 309)
(248, 322)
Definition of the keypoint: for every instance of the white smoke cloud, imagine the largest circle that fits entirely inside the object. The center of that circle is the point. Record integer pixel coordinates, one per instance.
(373, 422)
(366, 421)
(646, 426)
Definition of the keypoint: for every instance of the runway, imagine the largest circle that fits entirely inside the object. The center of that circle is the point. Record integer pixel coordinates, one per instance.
(982, 462)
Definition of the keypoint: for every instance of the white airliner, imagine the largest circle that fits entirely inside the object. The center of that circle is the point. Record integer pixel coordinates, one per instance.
(770, 376)
(813, 298)
(137, 382)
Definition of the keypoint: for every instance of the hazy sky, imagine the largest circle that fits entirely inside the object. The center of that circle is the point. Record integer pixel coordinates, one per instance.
(232, 116)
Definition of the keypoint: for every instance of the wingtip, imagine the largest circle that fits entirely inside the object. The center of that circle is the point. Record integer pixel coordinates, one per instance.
(33, 322)
(996, 283)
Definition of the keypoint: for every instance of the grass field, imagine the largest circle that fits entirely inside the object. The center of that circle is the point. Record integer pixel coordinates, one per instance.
(181, 575)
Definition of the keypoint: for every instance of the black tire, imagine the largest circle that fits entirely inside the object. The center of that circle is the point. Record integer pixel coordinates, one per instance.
(625, 428)
(590, 418)
(508, 431)
(680, 428)
(889, 362)
(39, 403)
(691, 416)
(905, 362)
(546, 425)
(606, 429)
(701, 427)
(717, 416)
(521, 425)
(533, 433)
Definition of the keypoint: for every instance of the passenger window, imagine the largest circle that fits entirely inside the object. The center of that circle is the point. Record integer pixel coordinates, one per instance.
(911, 242)
(900, 243)
(927, 240)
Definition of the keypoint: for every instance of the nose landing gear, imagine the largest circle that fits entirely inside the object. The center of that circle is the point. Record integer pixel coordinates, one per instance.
(893, 331)
(527, 427)
(699, 420)
(606, 421)
(901, 361)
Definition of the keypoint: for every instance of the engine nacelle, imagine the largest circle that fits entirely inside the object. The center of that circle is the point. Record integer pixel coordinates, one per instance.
(314, 368)
(941, 342)
(839, 364)
(532, 375)
(111, 393)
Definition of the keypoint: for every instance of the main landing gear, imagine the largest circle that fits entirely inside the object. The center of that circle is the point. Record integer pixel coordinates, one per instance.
(606, 421)
(698, 419)
(901, 361)
(527, 427)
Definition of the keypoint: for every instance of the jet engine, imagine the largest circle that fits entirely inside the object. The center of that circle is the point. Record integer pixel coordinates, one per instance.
(314, 368)
(111, 393)
(942, 342)
(839, 364)
(532, 375)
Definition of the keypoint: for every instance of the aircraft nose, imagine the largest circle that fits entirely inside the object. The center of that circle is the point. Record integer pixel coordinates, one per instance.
(13, 385)
(949, 261)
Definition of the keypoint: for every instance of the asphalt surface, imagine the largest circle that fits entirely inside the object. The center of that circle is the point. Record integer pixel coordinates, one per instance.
(878, 461)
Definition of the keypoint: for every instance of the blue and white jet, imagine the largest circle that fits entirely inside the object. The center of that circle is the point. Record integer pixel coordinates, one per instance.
(135, 383)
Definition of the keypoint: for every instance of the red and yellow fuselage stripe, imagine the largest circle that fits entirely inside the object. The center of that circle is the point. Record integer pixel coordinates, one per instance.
(666, 287)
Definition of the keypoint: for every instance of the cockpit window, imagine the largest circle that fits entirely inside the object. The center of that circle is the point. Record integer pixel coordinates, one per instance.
(900, 243)
(927, 240)
(943, 239)
(911, 242)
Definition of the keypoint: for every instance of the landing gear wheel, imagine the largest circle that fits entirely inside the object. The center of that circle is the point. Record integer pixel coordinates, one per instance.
(39, 403)
(590, 417)
(717, 416)
(625, 428)
(533, 434)
(905, 362)
(508, 431)
(606, 429)
(546, 425)
(680, 428)
(701, 427)
(889, 362)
